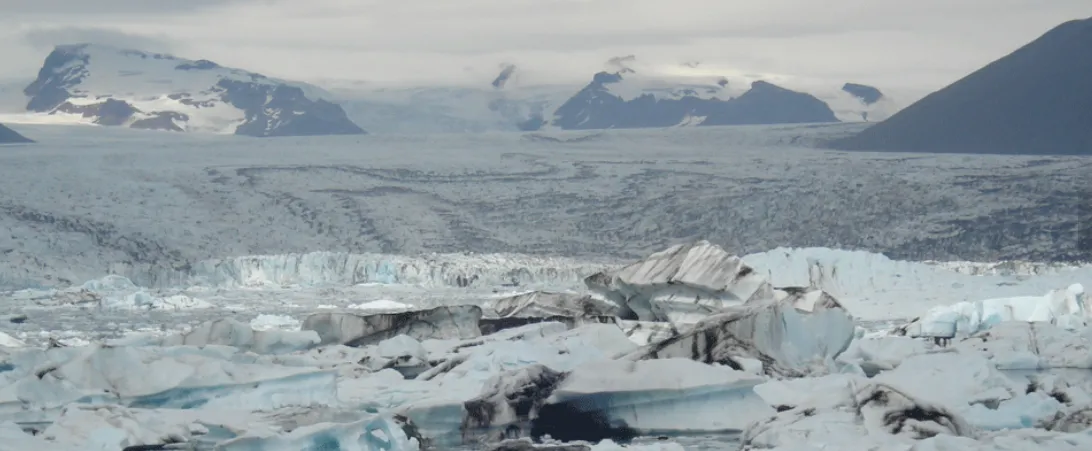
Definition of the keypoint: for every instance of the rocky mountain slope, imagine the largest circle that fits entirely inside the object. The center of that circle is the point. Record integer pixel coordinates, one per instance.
(1036, 100)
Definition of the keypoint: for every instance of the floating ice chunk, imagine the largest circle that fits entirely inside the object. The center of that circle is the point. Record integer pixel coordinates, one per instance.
(181, 377)
(109, 428)
(268, 322)
(809, 391)
(1031, 346)
(229, 332)
(360, 330)
(1077, 420)
(468, 367)
(380, 433)
(647, 332)
(141, 300)
(875, 354)
(1065, 308)
(654, 396)
(402, 353)
(381, 304)
(110, 283)
(867, 416)
(681, 284)
(7, 341)
(526, 444)
(545, 304)
(789, 341)
(609, 445)
(14, 438)
(952, 378)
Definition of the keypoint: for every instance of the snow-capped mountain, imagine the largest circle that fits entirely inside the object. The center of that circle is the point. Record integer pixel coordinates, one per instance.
(864, 103)
(620, 97)
(111, 86)
(624, 100)
(9, 136)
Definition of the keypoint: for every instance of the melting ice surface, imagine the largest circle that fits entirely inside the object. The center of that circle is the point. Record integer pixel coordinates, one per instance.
(234, 365)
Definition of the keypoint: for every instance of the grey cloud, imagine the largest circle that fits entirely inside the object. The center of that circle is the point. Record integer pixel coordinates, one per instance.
(45, 38)
(108, 7)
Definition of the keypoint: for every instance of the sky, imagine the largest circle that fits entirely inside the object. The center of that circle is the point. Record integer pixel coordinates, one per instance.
(919, 44)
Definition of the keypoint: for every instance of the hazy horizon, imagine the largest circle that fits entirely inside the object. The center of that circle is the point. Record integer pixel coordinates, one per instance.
(921, 46)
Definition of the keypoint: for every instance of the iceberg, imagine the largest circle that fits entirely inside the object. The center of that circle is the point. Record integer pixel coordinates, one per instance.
(859, 415)
(1066, 308)
(1031, 346)
(380, 433)
(154, 377)
(465, 369)
(242, 336)
(550, 304)
(681, 284)
(669, 396)
(792, 337)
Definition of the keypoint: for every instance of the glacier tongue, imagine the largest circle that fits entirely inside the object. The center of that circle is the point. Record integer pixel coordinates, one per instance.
(333, 268)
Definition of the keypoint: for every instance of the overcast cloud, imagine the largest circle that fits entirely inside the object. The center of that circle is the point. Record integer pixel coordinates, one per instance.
(921, 44)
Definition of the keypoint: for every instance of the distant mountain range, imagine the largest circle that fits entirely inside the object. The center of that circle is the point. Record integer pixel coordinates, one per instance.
(620, 98)
(109, 86)
(130, 88)
(1036, 100)
(9, 136)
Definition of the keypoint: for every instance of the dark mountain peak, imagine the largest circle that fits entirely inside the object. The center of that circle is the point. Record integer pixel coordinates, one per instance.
(197, 65)
(603, 78)
(505, 74)
(763, 85)
(1036, 100)
(867, 94)
(9, 136)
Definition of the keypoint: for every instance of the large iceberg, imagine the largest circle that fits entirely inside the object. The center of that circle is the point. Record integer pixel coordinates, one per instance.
(358, 330)
(546, 304)
(1065, 307)
(793, 336)
(154, 377)
(682, 283)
